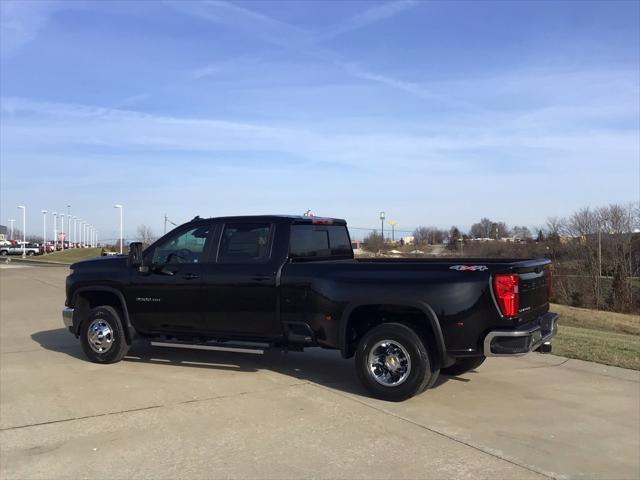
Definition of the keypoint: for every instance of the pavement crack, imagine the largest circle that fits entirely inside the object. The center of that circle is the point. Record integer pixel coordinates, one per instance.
(152, 407)
(432, 430)
(63, 420)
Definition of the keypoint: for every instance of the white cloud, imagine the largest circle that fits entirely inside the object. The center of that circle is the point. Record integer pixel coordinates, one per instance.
(457, 147)
(21, 21)
(368, 17)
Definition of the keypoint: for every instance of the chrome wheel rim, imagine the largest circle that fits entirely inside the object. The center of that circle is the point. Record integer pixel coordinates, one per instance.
(100, 336)
(389, 363)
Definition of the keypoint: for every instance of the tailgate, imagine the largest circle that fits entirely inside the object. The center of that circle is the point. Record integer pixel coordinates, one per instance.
(534, 289)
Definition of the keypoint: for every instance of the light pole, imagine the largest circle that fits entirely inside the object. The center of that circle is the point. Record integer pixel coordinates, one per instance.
(74, 230)
(69, 224)
(11, 222)
(55, 232)
(382, 217)
(24, 230)
(393, 224)
(44, 231)
(120, 207)
(62, 230)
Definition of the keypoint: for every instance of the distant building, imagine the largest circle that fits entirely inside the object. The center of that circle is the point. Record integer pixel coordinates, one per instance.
(408, 240)
(3, 233)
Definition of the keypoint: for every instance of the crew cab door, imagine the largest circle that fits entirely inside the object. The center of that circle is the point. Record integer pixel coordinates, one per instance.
(240, 294)
(168, 298)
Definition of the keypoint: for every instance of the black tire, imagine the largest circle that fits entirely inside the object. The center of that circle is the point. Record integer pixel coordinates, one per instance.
(115, 343)
(419, 376)
(4, 253)
(463, 365)
(30, 254)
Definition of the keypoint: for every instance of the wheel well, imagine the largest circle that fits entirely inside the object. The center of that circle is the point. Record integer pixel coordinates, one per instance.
(89, 299)
(364, 318)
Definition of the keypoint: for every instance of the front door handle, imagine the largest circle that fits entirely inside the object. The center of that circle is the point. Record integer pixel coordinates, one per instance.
(190, 276)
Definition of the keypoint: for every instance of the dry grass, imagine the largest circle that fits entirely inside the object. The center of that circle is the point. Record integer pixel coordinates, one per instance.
(597, 319)
(597, 336)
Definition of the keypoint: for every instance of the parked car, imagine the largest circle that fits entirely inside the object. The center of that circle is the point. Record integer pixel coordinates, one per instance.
(15, 249)
(250, 283)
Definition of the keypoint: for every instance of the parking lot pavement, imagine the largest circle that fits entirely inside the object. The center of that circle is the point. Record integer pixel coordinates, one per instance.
(166, 413)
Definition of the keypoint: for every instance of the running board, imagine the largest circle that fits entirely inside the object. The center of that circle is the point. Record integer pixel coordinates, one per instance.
(257, 350)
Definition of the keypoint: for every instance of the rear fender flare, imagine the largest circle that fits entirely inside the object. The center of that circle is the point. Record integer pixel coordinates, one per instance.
(423, 307)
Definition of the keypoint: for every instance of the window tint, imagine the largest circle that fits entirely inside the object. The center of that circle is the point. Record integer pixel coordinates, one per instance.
(183, 247)
(244, 243)
(319, 241)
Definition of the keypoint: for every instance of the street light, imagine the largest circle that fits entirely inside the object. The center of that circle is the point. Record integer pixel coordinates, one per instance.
(55, 231)
(69, 224)
(393, 224)
(44, 231)
(382, 216)
(62, 229)
(24, 230)
(120, 207)
(11, 222)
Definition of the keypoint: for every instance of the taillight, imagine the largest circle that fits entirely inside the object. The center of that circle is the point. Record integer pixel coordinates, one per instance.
(505, 287)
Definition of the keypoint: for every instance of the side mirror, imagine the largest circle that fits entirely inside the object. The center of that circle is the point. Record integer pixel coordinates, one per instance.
(135, 254)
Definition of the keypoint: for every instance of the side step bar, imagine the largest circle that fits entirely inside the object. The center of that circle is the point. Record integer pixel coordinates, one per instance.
(257, 349)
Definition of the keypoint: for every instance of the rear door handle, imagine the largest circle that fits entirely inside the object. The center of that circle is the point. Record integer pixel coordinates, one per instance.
(190, 276)
(260, 277)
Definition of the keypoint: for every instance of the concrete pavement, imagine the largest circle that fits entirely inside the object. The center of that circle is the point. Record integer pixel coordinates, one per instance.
(166, 413)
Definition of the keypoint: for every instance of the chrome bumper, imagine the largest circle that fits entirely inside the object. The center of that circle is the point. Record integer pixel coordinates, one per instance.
(514, 343)
(67, 316)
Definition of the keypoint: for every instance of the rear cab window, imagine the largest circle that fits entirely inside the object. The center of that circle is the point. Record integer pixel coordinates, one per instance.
(327, 242)
(245, 243)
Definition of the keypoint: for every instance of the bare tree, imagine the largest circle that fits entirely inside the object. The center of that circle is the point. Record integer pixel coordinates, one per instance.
(486, 228)
(482, 229)
(144, 234)
(428, 235)
(374, 242)
(521, 233)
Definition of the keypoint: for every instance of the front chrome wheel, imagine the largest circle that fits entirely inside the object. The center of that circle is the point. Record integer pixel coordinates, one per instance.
(100, 336)
(389, 363)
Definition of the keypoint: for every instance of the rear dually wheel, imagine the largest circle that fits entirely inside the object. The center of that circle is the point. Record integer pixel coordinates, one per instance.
(393, 363)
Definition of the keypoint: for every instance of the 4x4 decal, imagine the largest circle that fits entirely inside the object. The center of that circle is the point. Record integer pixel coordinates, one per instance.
(469, 268)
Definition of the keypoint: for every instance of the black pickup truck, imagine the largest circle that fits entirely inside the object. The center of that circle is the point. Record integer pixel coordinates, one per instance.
(249, 283)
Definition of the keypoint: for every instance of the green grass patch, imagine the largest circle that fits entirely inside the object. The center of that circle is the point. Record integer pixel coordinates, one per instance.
(609, 348)
(69, 256)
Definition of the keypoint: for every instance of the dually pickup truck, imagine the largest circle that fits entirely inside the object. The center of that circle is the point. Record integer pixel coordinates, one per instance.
(250, 283)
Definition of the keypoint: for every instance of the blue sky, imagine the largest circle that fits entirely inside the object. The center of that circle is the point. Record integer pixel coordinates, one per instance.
(438, 113)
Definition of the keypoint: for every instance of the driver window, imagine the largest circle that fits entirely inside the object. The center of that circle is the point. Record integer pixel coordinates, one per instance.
(183, 247)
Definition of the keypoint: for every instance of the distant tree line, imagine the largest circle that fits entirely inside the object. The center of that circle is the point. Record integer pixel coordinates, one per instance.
(595, 252)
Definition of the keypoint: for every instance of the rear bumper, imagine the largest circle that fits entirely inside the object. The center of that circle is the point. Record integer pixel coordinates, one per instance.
(512, 343)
